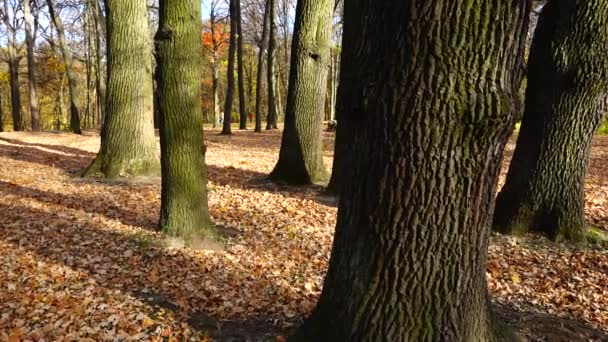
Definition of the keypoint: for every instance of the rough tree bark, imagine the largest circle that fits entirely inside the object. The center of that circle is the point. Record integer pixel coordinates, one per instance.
(227, 128)
(184, 208)
(128, 143)
(431, 106)
(260, 71)
(271, 117)
(31, 65)
(566, 101)
(69, 68)
(240, 67)
(301, 155)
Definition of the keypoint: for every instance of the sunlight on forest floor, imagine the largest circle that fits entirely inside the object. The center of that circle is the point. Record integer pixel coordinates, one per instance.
(80, 258)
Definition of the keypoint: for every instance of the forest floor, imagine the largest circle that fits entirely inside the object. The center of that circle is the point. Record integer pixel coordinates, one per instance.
(80, 258)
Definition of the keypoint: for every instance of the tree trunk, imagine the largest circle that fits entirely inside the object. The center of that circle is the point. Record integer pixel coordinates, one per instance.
(241, 67)
(1, 111)
(260, 71)
(69, 68)
(31, 65)
(566, 100)
(184, 208)
(227, 128)
(128, 144)
(271, 118)
(409, 255)
(301, 155)
(13, 69)
(215, 67)
(99, 74)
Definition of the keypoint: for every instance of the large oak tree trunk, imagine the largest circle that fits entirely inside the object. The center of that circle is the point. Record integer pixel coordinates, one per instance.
(227, 128)
(566, 100)
(430, 90)
(301, 155)
(69, 68)
(128, 143)
(31, 65)
(184, 208)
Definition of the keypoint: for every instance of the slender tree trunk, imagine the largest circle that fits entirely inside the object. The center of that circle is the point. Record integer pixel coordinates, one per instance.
(1, 111)
(227, 128)
(184, 208)
(99, 74)
(566, 101)
(278, 97)
(271, 118)
(301, 154)
(128, 144)
(216, 67)
(409, 255)
(13, 68)
(31, 65)
(241, 67)
(260, 70)
(69, 68)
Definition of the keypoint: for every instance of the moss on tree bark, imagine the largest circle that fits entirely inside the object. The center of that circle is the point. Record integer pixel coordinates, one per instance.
(184, 207)
(128, 143)
(429, 90)
(301, 155)
(566, 100)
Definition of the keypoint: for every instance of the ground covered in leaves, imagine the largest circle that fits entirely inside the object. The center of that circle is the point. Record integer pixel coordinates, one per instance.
(80, 258)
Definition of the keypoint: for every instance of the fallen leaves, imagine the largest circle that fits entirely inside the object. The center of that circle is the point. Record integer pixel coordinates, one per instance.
(79, 259)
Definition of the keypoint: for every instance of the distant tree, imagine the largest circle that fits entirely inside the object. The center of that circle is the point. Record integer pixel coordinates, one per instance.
(214, 40)
(271, 118)
(566, 101)
(301, 155)
(240, 66)
(262, 45)
(128, 144)
(69, 68)
(409, 254)
(228, 104)
(31, 63)
(184, 208)
(11, 23)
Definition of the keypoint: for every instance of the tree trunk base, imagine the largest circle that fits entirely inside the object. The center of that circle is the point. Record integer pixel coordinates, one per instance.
(557, 225)
(123, 169)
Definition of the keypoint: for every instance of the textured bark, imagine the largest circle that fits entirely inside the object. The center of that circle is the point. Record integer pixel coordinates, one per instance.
(184, 208)
(271, 118)
(431, 105)
(241, 67)
(31, 65)
(69, 68)
(128, 144)
(566, 100)
(301, 155)
(260, 71)
(228, 104)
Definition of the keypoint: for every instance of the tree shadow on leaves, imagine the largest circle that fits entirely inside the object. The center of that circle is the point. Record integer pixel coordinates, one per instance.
(537, 325)
(70, 162)
(194, 288)
(89, 203)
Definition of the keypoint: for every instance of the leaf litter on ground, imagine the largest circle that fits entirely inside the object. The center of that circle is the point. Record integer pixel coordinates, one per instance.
(80, 259)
